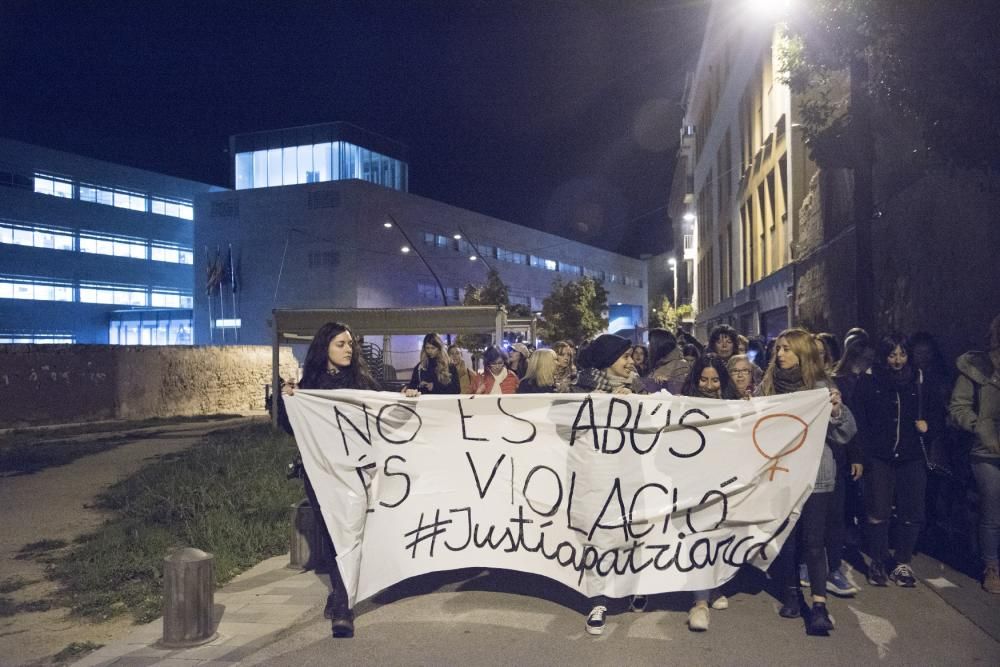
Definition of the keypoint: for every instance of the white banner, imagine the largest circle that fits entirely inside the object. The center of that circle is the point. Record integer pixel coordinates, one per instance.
(607, 494)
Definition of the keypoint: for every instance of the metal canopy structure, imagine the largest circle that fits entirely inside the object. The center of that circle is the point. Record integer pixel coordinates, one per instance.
(299, 326)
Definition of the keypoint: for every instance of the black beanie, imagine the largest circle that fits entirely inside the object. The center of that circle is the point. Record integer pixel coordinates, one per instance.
(603, 351)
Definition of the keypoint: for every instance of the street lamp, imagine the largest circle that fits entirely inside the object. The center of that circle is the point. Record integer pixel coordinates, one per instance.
(392, 222)
(673, 267)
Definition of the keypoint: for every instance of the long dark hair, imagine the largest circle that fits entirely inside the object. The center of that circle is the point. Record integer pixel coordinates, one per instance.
(711, 360)
(720, 331)
(357, 374)
(661, 343)
(441, 362)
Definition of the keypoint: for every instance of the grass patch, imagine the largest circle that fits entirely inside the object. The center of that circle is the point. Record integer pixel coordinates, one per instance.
(227, 496)
(19, 435)
(34, 550)
(74, 651)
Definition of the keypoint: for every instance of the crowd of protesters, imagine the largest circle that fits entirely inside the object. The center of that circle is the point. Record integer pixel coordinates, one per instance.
(902, 420)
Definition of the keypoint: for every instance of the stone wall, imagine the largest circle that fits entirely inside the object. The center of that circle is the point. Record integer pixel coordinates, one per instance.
(55, 384)
(934, 250)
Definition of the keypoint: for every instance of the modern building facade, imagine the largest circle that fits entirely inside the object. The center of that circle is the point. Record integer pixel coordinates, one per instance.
(93, 252)
(748, 173)
(339, 244)
(316, 154)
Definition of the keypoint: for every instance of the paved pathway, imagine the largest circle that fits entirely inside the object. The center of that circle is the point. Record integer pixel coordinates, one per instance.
(54, 504)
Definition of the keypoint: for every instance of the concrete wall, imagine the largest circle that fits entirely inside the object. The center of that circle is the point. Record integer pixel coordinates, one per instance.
(53, 384)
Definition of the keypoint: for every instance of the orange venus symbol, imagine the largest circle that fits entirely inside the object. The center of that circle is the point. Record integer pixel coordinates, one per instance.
(777, 457)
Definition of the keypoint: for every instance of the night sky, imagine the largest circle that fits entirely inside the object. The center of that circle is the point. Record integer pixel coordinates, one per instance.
(561, 116)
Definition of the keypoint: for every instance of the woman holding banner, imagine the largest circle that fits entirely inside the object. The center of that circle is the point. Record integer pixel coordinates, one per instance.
(797, 366)
(333, 361)
(708, 379)
(606, 367)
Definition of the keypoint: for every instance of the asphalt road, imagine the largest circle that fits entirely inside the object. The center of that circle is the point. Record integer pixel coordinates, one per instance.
(508, 618)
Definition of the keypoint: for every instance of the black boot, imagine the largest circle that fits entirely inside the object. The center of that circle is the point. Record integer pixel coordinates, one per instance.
(792, 606)
(337, 609)
(819, 620)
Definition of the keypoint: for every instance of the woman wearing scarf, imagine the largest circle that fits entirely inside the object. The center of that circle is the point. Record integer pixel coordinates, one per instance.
(605, 367)
(797, 366)
(495, 378)
(893, 419)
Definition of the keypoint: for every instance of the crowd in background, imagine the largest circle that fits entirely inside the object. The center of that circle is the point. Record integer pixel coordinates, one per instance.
(910, 436)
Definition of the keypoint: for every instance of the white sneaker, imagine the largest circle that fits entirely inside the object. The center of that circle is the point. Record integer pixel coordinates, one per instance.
(698, 618)
(595, 620)
(721, 602)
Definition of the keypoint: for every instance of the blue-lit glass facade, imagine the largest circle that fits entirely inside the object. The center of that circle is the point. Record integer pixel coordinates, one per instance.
(316, 154)
(82, 240)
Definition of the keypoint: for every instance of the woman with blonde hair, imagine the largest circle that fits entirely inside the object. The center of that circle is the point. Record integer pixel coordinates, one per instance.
(541, 375)
(434, 374)
(798, 366)
(465, 374)
(565, 364)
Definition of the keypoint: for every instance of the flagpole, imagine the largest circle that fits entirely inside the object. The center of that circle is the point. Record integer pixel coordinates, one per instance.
(208, 291)
(232, 288)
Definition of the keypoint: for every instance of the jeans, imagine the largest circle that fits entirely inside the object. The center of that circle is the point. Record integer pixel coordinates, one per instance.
(906, 483)
(988, 482)
(811, 532)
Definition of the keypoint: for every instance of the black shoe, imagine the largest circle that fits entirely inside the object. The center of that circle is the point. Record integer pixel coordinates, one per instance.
(342, 625)
(819, 620)
(792, 607)
(876, 573)
(331, 602)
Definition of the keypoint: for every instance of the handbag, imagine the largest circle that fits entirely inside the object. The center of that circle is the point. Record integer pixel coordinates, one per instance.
(936, 451)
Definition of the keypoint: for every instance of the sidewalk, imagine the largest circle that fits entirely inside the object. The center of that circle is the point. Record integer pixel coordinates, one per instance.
(252, 611)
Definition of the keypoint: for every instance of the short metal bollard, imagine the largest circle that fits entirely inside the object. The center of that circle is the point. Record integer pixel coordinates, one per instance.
(188, 598)
(307, 548)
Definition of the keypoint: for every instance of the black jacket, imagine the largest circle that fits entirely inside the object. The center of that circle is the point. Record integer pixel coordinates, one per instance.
(886, 416)
(531, 387)
(324, 381)
(430, 375)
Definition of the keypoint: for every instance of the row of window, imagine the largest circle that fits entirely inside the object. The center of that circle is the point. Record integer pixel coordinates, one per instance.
(431, 293)
(167, 331)
(55, 238)
(515, 257)
(317, 163)
(135, 201)
(39, 289)
(36, 338)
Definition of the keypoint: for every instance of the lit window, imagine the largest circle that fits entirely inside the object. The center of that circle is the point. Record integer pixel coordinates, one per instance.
(244, 171)
(38, 290)
(551, 265)
(52, 185)
(228, 324)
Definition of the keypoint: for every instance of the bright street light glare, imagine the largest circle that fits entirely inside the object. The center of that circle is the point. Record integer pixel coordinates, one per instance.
(689, 217)
(457, 237)
(672, 262)
(387, 225)
(472, 258)
(405, 249)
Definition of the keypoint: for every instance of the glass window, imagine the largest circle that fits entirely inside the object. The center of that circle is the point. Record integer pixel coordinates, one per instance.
(289, 173)
(105, 197)
(305, 161)
(44, 293)
(122, 199)
(43, 185)
(62, 189)
(137, 203)
(62, 241)
(185, 257)
(88, 295)
(336, 161)
(260, 169)
(186, 211)
(244, 171)
(6, 289)
(321, 162)
(6, 234)
(24, 237)
(88, 193)
(551, 265)
(63, 293)
(274, 167)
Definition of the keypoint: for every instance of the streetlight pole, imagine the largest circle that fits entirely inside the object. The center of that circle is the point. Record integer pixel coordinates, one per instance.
(673, 267)
(412, 246)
